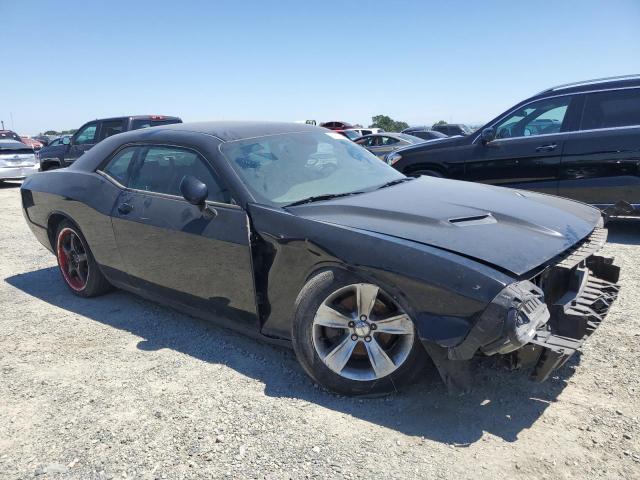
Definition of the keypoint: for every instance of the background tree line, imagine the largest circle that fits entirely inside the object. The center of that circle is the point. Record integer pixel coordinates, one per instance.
(388, 124)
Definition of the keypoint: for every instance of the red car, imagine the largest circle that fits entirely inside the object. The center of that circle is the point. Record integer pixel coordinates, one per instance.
(336, 125)
(32, 142)
(9, 135)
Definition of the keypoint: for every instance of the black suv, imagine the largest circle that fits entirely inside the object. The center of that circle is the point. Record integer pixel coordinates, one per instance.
(580, 141)
(64, 152)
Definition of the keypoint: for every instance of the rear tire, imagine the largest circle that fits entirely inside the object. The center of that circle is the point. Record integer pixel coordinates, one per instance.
(428, 173)
(364, 352)
(78, 268)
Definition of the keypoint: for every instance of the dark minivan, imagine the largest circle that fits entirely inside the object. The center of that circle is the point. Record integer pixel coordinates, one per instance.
(65, 152)
(580, 141)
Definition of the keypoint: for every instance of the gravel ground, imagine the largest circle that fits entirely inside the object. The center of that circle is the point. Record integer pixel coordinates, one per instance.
(118, 387)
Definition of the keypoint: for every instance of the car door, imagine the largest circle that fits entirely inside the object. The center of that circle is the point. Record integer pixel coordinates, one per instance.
(111, 127)
(383, 145)
(601, 162)
(527, 150)
(85, 138)
(174, 251)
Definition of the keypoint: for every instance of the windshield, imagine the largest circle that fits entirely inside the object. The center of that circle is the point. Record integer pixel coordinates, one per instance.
(351, 134)
(410, 138)
(286, 168)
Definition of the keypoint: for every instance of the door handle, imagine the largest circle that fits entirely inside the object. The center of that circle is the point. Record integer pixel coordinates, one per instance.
(124, 208)
(546, 148)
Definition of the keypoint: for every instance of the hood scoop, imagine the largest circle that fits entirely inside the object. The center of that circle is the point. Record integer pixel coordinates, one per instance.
(473, 220)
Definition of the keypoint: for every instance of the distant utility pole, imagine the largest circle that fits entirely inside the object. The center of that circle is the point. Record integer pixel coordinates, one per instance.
(2, 121)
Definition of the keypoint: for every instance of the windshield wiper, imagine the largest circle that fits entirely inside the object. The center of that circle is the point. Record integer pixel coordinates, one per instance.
(319, 198)
(394, 182)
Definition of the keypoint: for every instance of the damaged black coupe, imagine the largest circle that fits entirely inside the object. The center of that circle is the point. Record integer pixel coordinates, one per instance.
(294, 234)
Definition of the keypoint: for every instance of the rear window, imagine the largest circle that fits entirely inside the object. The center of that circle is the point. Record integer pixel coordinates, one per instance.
(619, 108)
(8, 134)
(146, 123)
(15, 148)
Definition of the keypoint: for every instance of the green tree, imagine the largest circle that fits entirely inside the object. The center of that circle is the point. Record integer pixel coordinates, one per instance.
(440, 122)
(388, 124)
(50, 132)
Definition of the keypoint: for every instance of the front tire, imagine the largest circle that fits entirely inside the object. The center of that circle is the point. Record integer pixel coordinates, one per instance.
(78, 268)
(353, 338)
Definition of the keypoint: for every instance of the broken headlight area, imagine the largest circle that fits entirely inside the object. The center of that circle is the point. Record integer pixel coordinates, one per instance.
(541, 322)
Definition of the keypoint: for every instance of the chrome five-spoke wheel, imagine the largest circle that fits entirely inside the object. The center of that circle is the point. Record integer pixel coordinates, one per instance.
(361, 333)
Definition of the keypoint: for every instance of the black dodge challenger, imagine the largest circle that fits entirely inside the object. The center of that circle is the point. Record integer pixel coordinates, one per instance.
(294, 234)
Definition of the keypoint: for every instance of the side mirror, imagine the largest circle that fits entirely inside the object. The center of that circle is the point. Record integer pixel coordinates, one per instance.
(66, 141)
(193, 190)
(488, 135)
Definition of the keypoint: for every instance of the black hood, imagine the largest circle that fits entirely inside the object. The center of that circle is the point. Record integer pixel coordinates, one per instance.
(514, 230)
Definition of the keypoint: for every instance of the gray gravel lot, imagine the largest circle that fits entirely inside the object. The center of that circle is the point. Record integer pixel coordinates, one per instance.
(118, 387)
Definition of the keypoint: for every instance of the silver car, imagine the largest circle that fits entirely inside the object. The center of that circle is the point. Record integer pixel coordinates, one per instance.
(381, 144)
(17, 160)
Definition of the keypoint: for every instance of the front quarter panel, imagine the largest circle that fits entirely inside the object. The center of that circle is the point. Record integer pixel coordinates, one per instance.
(443, 292)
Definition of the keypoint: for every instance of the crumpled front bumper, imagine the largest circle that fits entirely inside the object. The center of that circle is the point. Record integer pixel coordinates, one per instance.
(558, 310)
(575, 316)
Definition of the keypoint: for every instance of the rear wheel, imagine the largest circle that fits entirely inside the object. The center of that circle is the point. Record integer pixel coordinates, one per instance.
(354, 338)
(428, 173)
(78, 267)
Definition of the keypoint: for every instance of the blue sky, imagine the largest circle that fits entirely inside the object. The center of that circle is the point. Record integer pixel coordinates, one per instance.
(418, 61)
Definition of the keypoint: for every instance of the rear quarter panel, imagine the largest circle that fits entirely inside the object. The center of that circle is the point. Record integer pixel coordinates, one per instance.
(85, 198)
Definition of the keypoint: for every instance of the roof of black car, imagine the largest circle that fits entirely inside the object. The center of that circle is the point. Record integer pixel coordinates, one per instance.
(138, 117)
(591, 85)
(237, 130)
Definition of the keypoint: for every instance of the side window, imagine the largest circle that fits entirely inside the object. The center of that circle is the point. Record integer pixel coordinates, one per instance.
(376, 141)
(163, 168)
(110, 128)
(119, 167)
(619, 108)
(87, 134)
(537, 118)
(365, 142)
(55, 142)
(389, 140)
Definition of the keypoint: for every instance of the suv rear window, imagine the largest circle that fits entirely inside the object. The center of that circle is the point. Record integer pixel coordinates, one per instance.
(147, 122)
(618, 108)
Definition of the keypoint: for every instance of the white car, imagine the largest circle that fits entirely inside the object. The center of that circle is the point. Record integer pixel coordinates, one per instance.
(367, 131)
(17, 160)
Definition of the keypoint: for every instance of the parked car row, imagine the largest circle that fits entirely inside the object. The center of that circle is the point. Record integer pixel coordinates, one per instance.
(579, 141)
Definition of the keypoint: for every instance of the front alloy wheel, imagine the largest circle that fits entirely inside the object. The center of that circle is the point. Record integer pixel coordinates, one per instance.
(361, 334)
(354, 338)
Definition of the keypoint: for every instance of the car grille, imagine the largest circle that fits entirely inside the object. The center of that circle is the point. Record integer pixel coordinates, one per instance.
(578, 253)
